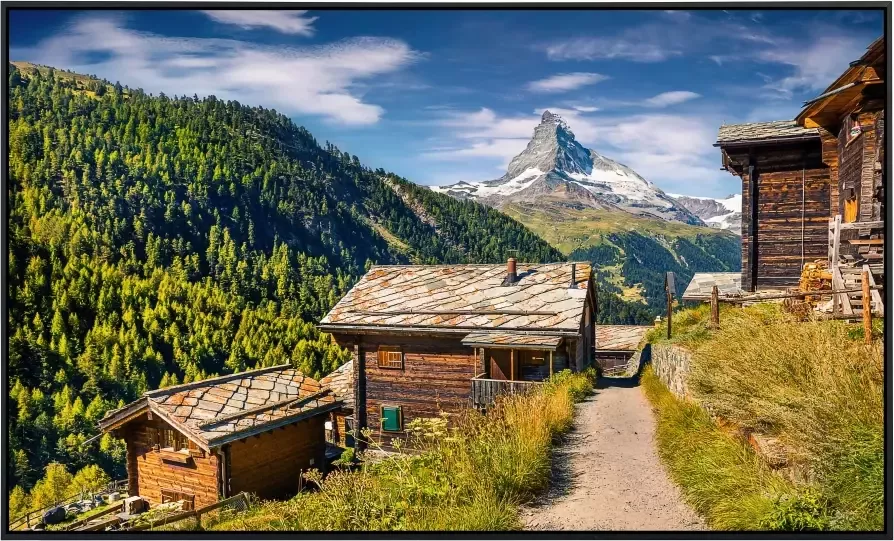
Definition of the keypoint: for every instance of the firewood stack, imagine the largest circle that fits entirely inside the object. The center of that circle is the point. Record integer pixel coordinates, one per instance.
(815, 276)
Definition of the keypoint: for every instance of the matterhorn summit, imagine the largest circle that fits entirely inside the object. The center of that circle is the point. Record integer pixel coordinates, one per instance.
(555, 170)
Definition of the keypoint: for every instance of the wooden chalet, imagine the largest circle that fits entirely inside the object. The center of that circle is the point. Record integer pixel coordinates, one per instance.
(785, 199)
(254, 431)
(850, 119)
(427, 339)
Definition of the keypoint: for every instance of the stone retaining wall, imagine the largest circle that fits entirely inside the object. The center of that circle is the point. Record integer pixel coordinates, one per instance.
(671, 364)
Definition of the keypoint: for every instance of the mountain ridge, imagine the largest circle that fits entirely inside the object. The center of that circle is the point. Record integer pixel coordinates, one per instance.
(556, 168)
(720, 213)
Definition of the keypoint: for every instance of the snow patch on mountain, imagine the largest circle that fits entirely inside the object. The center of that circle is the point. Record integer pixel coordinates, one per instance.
(724, 213)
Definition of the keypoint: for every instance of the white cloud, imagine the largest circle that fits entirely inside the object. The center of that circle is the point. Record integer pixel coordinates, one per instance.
(318, 80)
(564, 82)
(285, 21)
(666, 99)
(675, 34)
(815, 64)
(596, 48)
(503, 149)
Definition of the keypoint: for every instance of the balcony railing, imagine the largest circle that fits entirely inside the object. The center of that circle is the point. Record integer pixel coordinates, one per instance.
(485, 391)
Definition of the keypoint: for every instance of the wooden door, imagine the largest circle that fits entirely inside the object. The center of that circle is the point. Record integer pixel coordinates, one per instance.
(500, 364)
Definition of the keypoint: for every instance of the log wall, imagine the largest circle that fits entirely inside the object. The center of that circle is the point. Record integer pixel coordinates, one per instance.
(436, 377)
(149, 473)
(788, 177)
(270, 464)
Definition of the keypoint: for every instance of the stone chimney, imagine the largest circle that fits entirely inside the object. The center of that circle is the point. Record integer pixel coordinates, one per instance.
(573, 276)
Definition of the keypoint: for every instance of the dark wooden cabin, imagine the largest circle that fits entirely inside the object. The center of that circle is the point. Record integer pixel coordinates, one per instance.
(432, 339)
(850, 119)
(786, 199)
(254, 431)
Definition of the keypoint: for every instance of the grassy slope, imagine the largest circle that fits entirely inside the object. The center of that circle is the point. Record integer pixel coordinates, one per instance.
(470, 477)
(568, 229)
(813, 385)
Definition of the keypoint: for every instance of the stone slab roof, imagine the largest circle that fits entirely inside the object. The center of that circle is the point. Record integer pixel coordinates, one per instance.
(456, 297)
(763, 131)
(619, 337)
(512, 340)
(699, 288)
(341, 382)
(218, 410)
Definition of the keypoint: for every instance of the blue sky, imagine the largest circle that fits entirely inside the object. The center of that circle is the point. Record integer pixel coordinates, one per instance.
(444, 96)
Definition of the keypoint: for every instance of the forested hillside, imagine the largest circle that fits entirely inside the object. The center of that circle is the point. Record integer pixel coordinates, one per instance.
(159, 240)
(641, 261)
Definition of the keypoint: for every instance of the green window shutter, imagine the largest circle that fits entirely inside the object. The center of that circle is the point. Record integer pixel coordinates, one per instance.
(392, 418)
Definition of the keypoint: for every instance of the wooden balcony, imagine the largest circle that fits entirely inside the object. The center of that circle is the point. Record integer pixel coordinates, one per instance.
(485, 391)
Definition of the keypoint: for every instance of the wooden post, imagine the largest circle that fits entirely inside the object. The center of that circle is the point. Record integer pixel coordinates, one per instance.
(550, 364)
(867, 310)
(670, 306)
(715, 308)
(512, 364)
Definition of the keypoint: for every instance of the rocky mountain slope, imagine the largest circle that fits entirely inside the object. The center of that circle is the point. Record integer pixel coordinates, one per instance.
(593, 208)
(723, 213)
(555, 169)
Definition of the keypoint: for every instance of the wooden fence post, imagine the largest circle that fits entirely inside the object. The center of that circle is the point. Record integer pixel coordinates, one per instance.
(715, 308)
(867, 310)
(670, 307)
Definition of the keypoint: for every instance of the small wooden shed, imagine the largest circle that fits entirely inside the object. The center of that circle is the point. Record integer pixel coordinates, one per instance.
(786, 199)
(616, 345)
(254, 431)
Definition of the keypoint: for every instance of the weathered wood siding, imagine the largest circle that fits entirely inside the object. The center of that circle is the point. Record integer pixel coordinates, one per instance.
(270, 464)
(149, 473)
(790, 235)
(793, 188)
(436, 377)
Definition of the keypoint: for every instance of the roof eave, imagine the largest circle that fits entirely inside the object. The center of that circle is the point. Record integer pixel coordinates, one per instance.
(273, 425)
(373, 328)
(767, 141)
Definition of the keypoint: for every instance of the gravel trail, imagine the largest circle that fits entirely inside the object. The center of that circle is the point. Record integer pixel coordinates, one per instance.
(607, 475)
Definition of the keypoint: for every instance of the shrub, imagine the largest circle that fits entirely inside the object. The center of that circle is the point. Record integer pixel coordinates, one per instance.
(803, 511)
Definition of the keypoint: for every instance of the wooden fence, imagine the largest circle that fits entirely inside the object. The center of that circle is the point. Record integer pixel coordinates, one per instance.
(34, 517)
(868, 290)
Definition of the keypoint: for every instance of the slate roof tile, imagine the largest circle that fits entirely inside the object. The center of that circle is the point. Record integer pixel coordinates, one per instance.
(756, 131)
(425, 296)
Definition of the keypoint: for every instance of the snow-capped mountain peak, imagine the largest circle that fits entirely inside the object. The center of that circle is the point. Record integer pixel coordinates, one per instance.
(725, 213)
(556, 167)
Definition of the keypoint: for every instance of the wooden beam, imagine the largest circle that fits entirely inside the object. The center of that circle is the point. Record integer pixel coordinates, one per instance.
(876, 296)
(867, 309)
(512, 364)
(715, 307)
(550, 364)
(752, 230)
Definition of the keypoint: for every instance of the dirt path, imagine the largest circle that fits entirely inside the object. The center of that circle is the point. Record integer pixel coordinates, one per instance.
(608, 476)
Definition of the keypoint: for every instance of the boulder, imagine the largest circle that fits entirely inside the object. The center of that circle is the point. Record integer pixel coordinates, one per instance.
(134, 505)
(54, 515)
(114, 497)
